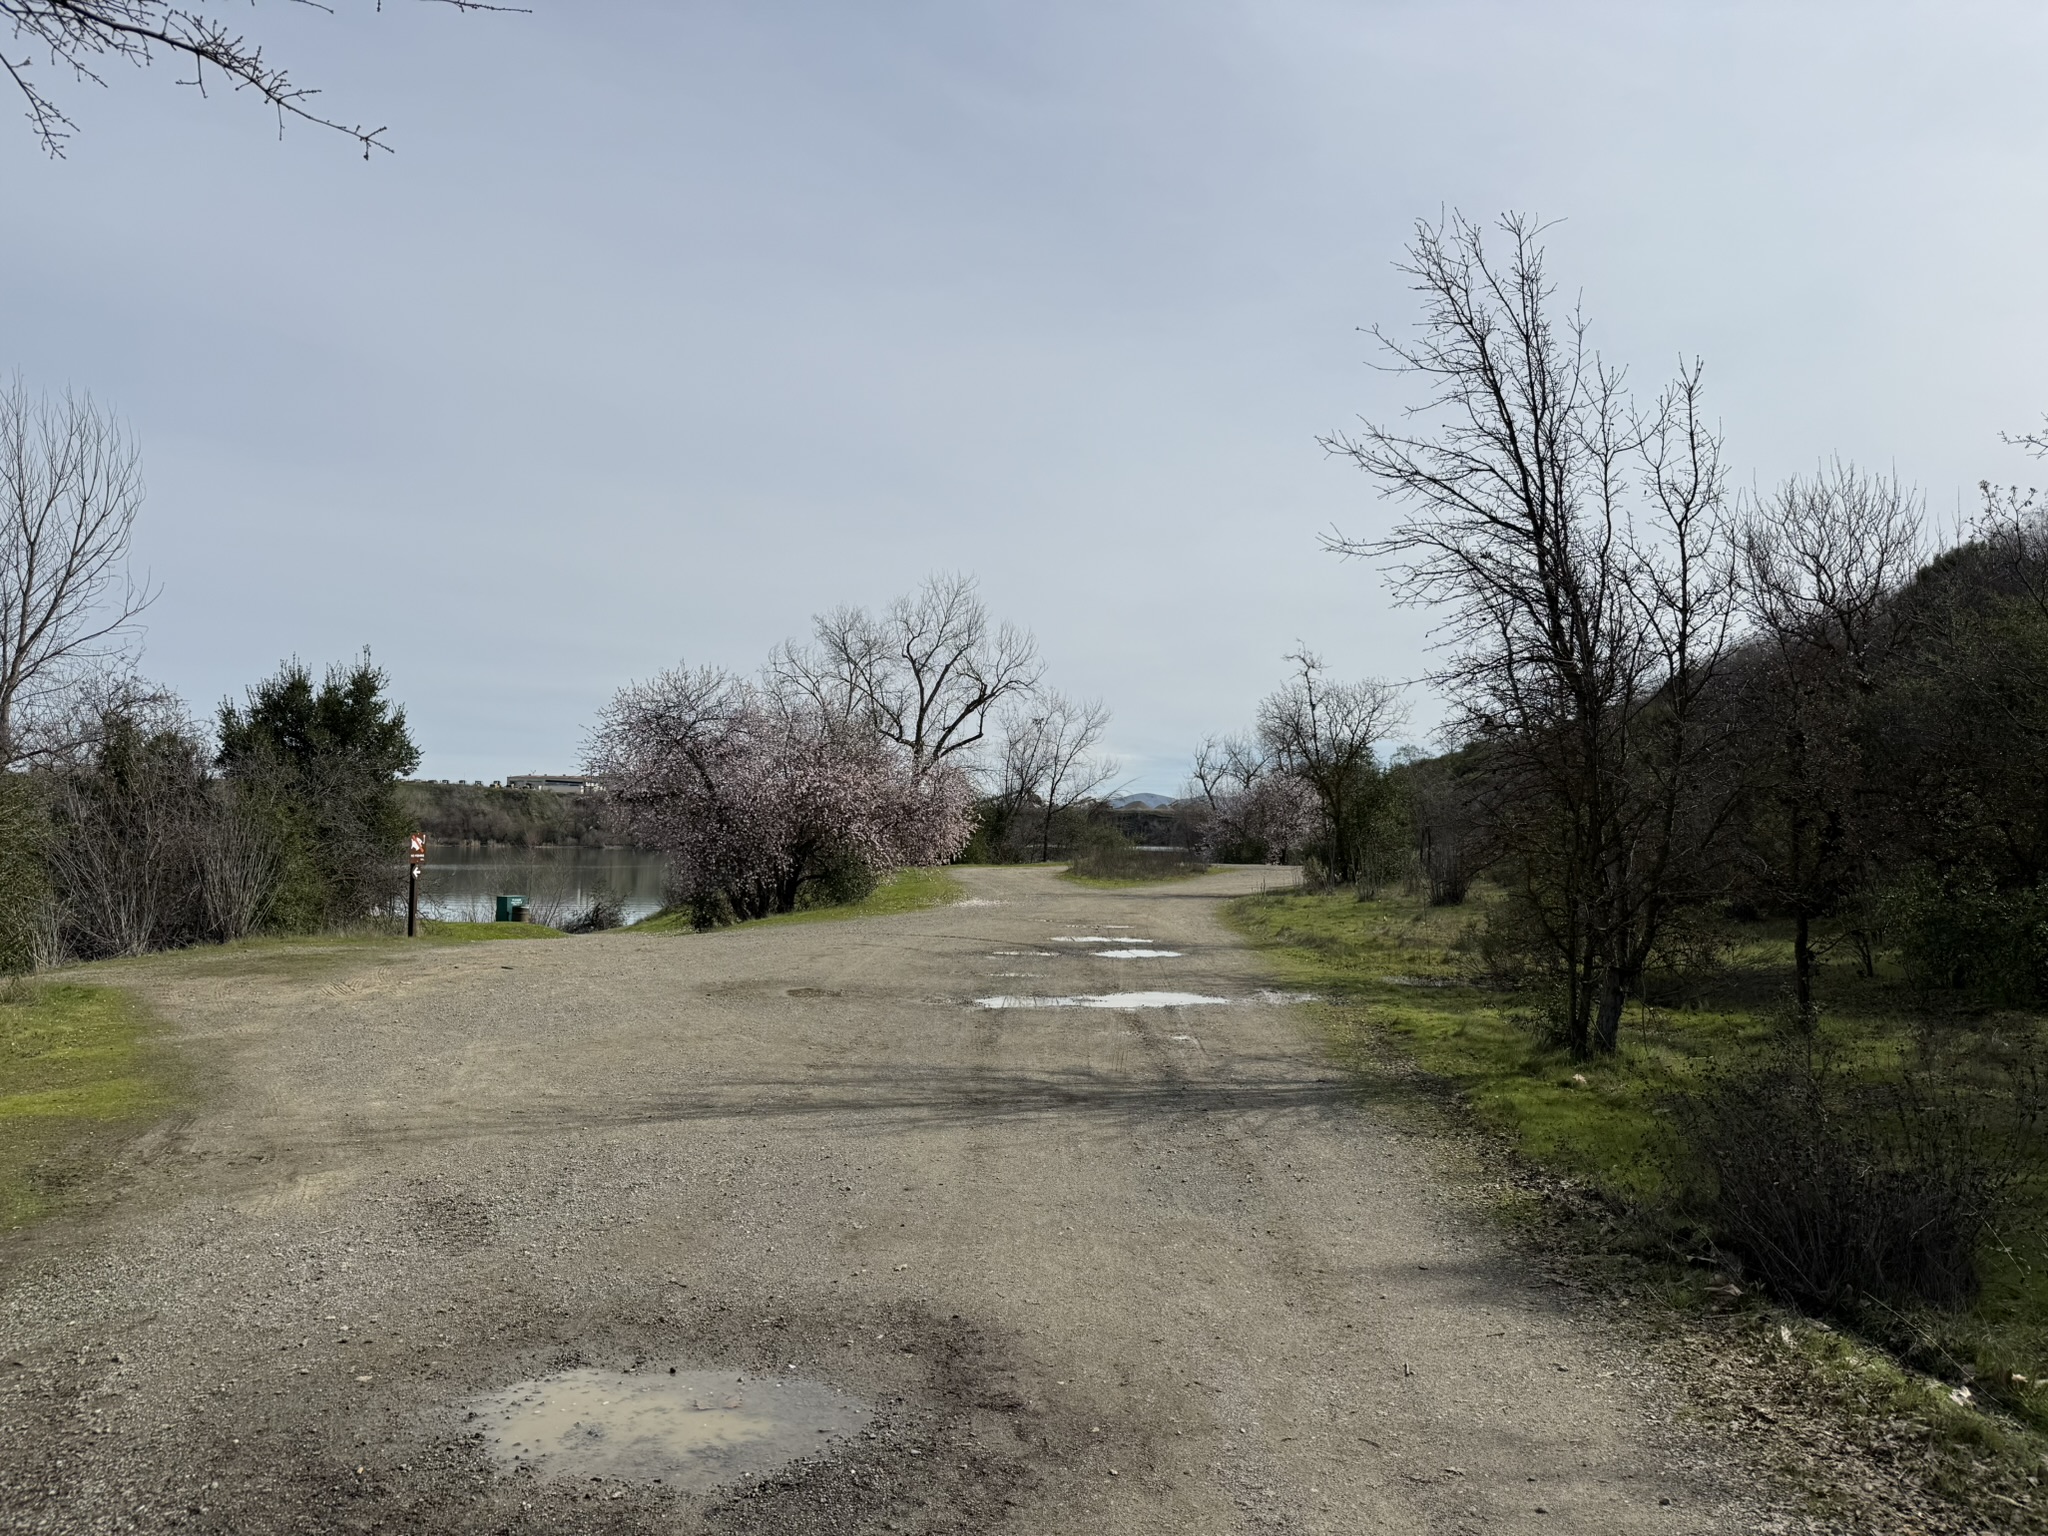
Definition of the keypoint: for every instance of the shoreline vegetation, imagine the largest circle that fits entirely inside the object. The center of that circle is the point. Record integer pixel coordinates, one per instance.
(1590, 1158)
(487, 815)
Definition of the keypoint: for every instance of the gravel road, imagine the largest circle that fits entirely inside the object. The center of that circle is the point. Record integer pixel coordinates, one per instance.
(1096, 1269)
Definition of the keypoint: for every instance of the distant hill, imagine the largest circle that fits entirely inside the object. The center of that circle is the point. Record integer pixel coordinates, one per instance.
(1150, 801)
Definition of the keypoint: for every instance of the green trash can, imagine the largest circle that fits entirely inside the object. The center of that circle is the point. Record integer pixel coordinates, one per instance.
(511, 909)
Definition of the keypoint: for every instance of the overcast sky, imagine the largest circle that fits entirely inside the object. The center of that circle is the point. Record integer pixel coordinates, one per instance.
(670, 324)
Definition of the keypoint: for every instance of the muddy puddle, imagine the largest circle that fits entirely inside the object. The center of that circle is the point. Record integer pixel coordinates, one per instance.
(683, 1429)
(1135, 954)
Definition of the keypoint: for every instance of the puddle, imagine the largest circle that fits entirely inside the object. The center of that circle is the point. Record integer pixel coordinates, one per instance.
(1106, 1000)
(1096, 938)
(1136, 954)
(689, 1430)
(1020, 954)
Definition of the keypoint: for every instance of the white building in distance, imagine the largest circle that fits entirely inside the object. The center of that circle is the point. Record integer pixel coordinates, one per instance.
(554, 783)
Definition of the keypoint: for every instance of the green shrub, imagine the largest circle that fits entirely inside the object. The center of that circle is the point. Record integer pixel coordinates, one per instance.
(319, 766)
(24, 889)
(845, 878)
(1959, 931)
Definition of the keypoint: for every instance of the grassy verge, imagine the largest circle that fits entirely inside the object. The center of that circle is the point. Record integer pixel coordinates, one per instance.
(485, 933)
(1116, 868)
(1592, 1158)
(908, 890)
(79, 1074)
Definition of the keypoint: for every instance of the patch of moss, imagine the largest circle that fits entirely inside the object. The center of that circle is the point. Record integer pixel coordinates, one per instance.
(79, 1074)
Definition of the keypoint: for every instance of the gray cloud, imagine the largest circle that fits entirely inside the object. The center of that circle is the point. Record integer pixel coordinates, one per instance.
(668, 325)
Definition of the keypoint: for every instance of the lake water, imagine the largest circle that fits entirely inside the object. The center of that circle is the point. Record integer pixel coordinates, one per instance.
(462, 884)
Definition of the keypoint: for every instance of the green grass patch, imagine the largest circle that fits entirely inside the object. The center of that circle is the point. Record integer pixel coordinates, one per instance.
(485, 933)
(79, 1074)
(1115, 866)
(908, 890)
(1393, 967)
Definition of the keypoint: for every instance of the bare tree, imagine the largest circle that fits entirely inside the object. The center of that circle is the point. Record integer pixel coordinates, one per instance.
(1048, 754)
(129, 817)
(924, 674)
(1821, 560)
(81, 37)
(1225, 766)
(1580, 549)
(2013, 527)
(1327, 734)
(70, 488)
(241, 864)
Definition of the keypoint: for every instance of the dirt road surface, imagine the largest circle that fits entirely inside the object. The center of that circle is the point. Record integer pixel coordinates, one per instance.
(1098, 1269)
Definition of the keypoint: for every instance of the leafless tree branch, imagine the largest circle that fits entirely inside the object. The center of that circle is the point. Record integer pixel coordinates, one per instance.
(70, 489)
(81, 36)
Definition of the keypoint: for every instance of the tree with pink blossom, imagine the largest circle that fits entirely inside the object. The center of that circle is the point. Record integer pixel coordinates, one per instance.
(764, 801)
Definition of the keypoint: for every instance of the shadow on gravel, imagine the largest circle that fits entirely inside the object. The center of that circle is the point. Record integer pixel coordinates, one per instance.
(884, 1099)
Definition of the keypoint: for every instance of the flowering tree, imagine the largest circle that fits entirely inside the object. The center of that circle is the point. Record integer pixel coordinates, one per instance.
(1255, 808)
(760, 800)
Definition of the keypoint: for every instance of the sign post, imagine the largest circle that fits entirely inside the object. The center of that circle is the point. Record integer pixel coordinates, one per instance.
(416, 851)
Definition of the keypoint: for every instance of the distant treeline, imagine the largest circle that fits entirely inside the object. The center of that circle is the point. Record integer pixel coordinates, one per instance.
(1018, 829)
(524, 818)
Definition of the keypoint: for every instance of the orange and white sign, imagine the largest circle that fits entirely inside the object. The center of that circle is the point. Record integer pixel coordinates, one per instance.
(418, 847)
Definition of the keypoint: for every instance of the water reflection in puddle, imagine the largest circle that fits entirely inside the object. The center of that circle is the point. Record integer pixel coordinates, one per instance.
(689, 1430)
(1136, 954)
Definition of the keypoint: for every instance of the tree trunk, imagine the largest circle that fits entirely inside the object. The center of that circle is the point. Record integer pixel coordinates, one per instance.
(1802, 967)
(1613, 997)
(1578, 1013)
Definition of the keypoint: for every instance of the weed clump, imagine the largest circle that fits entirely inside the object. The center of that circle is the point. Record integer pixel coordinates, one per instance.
(1836, 1187)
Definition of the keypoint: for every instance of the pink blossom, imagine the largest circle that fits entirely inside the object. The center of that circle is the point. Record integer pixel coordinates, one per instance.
(756, 798)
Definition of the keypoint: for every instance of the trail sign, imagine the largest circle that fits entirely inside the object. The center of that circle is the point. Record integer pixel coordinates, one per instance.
(416, 851)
